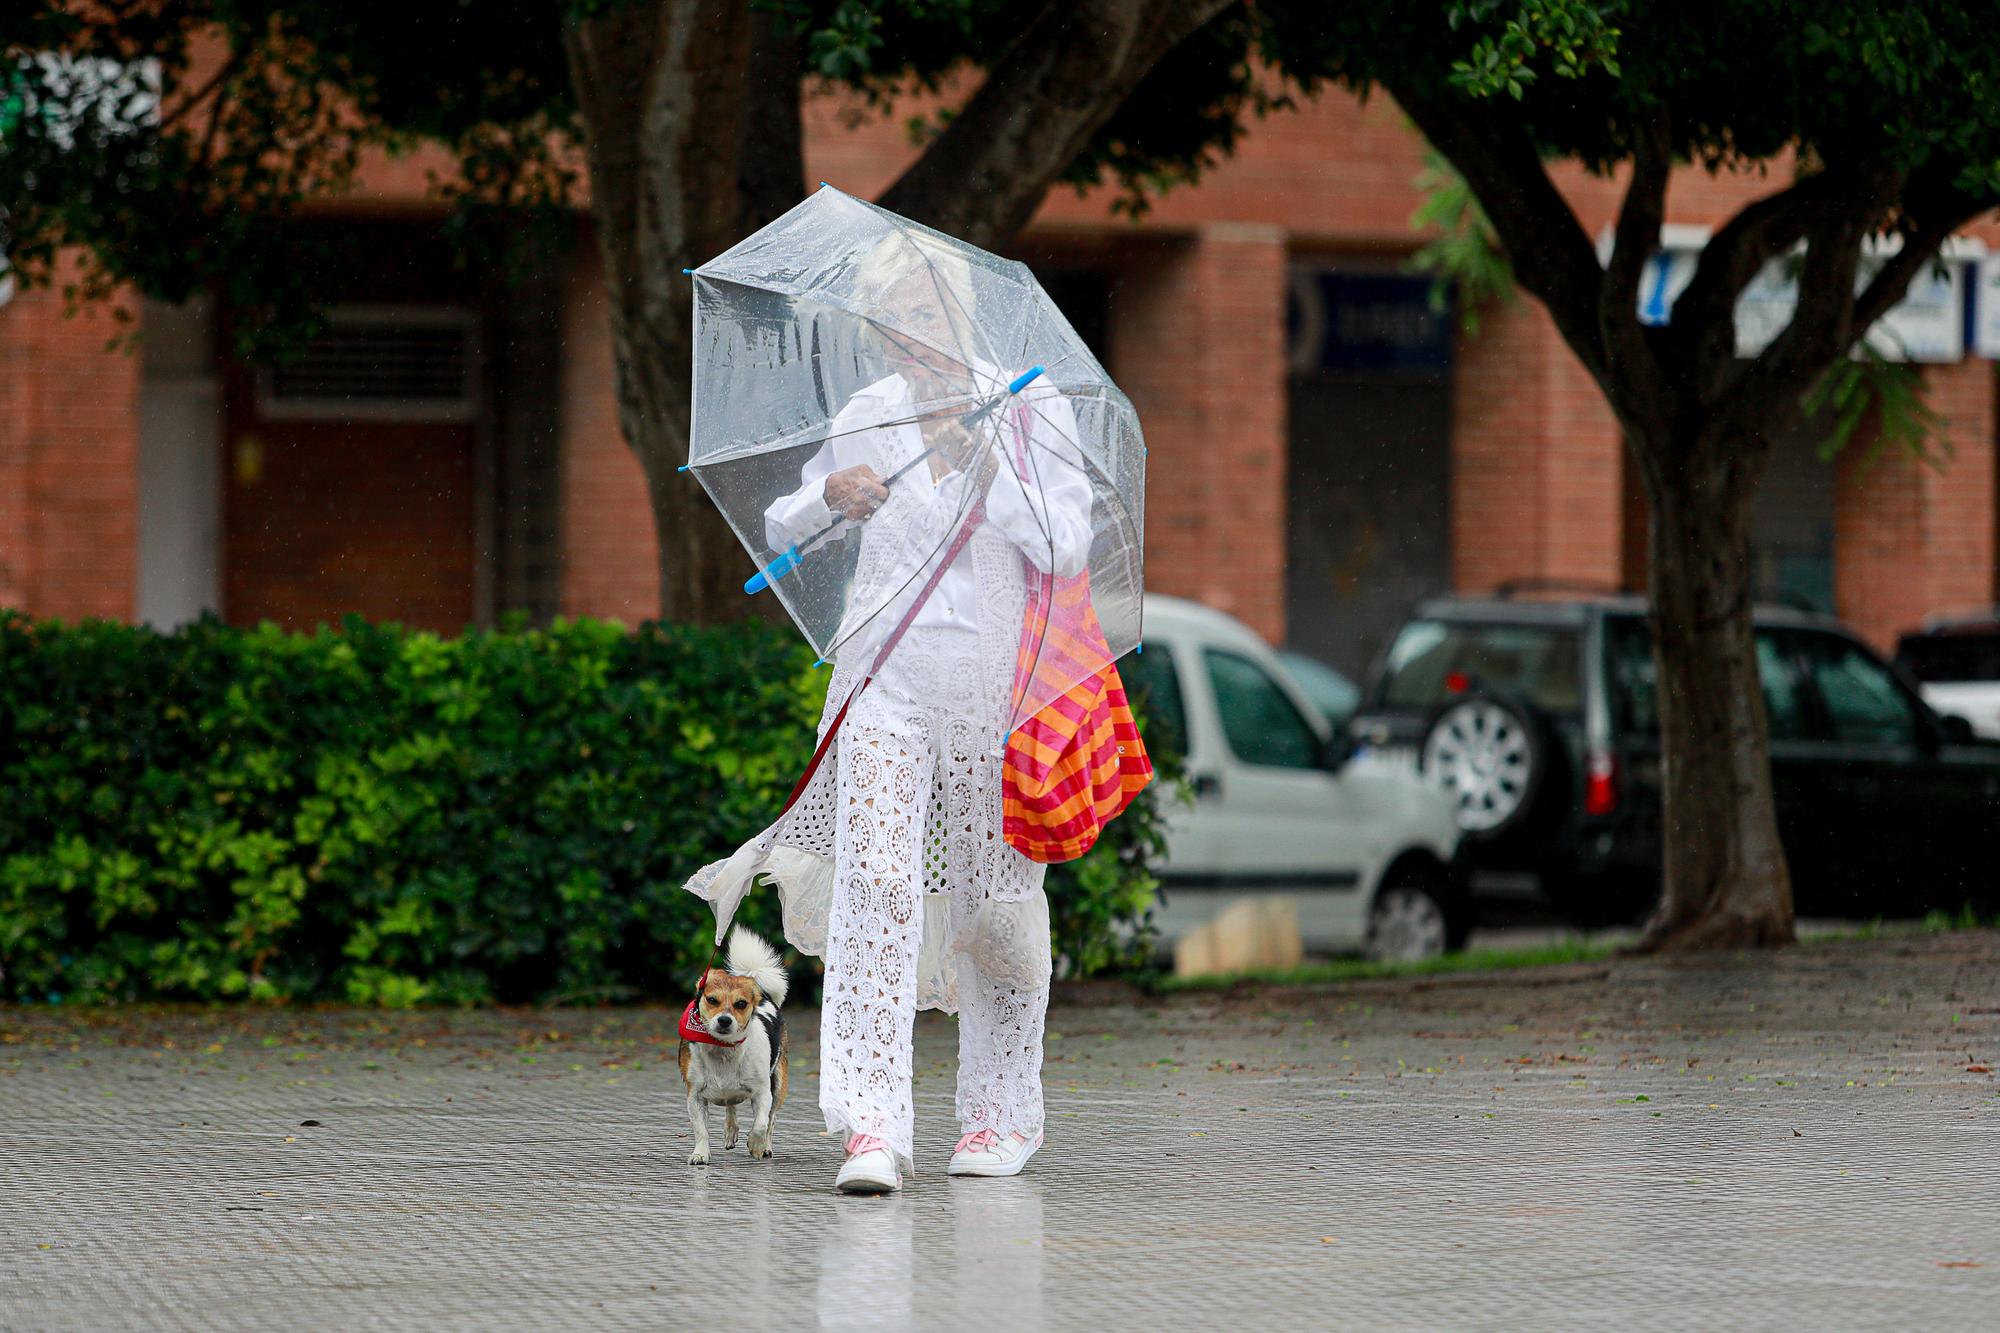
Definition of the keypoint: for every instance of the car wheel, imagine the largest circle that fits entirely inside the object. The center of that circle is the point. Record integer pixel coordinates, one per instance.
(1411, 920)
(1488, 754)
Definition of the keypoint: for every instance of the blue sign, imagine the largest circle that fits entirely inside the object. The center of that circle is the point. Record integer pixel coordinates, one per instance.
(1344, 320)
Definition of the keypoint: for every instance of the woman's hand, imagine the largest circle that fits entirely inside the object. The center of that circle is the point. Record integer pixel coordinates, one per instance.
(856, 492)
(955, 446)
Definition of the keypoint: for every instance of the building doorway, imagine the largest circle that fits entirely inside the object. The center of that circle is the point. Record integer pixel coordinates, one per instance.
(1368, 528)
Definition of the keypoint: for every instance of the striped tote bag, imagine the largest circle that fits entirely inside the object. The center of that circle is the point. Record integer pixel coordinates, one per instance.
(1075, 765)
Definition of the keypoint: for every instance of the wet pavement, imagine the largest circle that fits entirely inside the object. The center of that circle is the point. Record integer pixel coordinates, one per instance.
(1805, 1139)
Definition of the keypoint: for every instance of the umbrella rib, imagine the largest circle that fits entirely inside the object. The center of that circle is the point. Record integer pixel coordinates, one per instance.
(758, 448)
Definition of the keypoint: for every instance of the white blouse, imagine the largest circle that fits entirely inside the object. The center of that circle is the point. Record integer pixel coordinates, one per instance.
(1051, 525)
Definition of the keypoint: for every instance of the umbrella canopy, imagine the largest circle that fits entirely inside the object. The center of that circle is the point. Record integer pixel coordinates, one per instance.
(877, 403)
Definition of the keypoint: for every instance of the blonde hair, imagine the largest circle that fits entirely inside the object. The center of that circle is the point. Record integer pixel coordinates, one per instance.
(906, 257)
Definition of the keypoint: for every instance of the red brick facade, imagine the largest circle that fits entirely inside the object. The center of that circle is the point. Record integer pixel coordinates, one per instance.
(69, 439)
(1537, 482)
(1916, 537)
(1198, 331)
(611, 558)
(1196, 334)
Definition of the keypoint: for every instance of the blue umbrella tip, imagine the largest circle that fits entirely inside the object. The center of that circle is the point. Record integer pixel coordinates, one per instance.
(683, 467)
(824, 186)
(687, 270)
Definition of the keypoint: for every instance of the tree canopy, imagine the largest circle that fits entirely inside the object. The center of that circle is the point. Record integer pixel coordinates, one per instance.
(166, 140)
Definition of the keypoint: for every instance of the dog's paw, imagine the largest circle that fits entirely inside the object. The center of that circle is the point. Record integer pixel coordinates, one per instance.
(760, 1149)
(699, 1157)
(729, 1142)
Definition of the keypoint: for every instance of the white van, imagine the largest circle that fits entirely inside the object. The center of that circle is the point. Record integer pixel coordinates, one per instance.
(1278, 806)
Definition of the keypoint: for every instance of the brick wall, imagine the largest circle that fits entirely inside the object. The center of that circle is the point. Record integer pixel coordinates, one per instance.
(1912, 539)
(610, 557)
(1537, 479)
(1197, 330)
(69, 435)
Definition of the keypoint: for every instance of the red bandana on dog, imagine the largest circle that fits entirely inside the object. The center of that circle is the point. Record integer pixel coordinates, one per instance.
(692, 1028)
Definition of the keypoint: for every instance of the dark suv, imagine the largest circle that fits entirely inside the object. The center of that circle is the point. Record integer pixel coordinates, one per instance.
(1541, 717)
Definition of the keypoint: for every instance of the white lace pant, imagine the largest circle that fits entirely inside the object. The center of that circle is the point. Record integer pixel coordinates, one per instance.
(917, 806)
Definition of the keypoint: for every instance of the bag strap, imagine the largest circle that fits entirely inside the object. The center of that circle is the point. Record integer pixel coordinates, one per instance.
(972, 521)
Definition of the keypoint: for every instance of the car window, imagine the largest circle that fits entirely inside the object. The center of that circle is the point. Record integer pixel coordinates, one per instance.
(1258, 720)
(1431, 660)
(1326, 689)
(1154, 687)
(1784, 704)
(1635, 683)
(1863, 703)
(1937, 658)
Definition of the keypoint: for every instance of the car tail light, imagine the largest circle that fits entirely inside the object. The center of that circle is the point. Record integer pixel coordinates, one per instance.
(1600, 785)
(1457, 682)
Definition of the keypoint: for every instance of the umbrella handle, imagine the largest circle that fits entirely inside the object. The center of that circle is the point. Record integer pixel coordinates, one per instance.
(772, 572)
(785, 563)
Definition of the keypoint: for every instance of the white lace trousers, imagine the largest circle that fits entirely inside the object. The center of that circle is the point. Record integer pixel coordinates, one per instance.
(916, 806)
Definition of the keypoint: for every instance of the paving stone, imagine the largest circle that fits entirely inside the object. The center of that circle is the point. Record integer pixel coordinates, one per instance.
(1752, 1142)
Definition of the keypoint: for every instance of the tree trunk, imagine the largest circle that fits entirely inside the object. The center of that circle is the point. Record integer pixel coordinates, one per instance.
(771, 152)
(1725, 881)
(661, 89)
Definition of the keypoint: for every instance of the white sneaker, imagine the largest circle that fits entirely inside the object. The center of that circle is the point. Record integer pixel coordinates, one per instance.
(870, 1168)
(985, 1153)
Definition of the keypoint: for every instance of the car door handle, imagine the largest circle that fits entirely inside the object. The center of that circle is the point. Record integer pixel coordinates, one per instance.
(1207, 786)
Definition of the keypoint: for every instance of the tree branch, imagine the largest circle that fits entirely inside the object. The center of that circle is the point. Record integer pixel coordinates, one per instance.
(1937, 215)
(985, 176)
(1822, 326)
(1553, 258)
(1629, 358)
(199, 95)
(1705, 312)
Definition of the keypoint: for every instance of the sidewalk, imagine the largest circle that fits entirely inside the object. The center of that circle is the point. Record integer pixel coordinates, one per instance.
(1804, 1139)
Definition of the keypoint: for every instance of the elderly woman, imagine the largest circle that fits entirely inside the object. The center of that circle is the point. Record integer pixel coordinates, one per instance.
(891, 865)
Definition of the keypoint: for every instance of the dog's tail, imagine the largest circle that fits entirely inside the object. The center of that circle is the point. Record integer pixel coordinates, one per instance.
(750, 957)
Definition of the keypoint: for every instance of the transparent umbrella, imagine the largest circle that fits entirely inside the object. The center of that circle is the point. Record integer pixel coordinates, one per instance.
(870, 396)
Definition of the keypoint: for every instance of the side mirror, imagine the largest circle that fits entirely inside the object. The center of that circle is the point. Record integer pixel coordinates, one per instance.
(1337, 752)
(1958, 731)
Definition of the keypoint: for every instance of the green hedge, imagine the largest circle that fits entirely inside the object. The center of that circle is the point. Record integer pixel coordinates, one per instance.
(387, 816)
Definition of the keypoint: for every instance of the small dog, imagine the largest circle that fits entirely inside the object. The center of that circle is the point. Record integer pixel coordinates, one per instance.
(740, 1009)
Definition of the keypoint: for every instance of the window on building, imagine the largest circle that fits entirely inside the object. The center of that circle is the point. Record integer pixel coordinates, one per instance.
(1084, 297)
